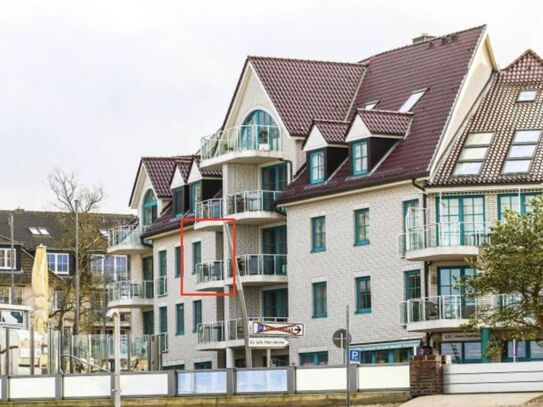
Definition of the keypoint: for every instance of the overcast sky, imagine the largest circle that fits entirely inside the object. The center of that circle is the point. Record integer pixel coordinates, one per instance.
(91, 86)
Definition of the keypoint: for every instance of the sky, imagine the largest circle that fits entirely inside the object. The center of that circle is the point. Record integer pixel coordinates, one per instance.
(91, 86)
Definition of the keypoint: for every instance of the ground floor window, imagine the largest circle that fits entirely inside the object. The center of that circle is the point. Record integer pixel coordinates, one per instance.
(276, 361)
(202, 365)
(313, 358)
(174, 367)
(400, 355)
(462, 352)
(523, 350)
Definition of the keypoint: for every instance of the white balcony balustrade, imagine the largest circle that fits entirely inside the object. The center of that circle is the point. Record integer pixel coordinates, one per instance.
(130, 294)
(254, 207)
(126, 240)
(209, 209)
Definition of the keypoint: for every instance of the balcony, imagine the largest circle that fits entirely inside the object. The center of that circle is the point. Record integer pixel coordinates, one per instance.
(260, 269)
(130, 294)
(210, 276)
(161, 286)
(212, 208)
(254, 207)
(126, 240)
(443, 241)
(249, 144)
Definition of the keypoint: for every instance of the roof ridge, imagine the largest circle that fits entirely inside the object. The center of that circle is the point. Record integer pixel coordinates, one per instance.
(173, 157)
(361, 109)
(529, 51)
(319, 61)
(22, 210)
(330, 121)
(368, 59)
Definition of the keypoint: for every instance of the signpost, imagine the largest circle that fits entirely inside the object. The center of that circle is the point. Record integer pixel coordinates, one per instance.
(268, 343)
(261, 328)
(342, 339)
(355, 356)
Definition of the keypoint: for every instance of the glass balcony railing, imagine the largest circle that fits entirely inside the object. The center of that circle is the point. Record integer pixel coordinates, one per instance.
(229, 330)
(252, 201)
(260, 265)
(241, 138)
(129, 290)
(161, 286)
(212, 208)
(210, 271)
(128, 235)
(444, 235)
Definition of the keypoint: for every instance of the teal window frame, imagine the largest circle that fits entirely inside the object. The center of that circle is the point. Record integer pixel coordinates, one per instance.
(149, 208)
(371, 357)
(451, 290)
(319, 166)
(195, 195)
(317, 247)
(461, 215)
(148, 322)
(528, 351)
(320, 305)
(207, 365)
(177, 261)
(462, 350)
(524, 197)
(196, 255)
(316, 358)
(162, 263)
(363, 295)
(196, 314)
(177, 207)
(362, 227)
(180, 319)
(357, 155)
(274, 177)
(412, 291)
(163, 320)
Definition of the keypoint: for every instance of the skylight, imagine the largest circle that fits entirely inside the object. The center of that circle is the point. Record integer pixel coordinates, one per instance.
(522, 151)
(39, 231)
(370, 105)
(473, 154)
(528, 95)
(412, 101)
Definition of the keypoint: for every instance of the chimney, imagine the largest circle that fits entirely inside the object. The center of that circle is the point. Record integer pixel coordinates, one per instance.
(423, 37)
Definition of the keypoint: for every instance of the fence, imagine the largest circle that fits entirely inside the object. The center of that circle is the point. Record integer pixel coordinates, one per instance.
(206, 382)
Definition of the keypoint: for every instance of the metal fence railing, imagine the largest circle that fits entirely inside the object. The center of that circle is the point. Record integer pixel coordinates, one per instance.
(252, 201)
(127, 290)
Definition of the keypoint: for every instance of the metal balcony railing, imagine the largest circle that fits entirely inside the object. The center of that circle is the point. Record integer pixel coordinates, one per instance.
(161, 286)
(210, 271)
(212, 208)
(128, 235)
(128, 290)
(252, 201)
(444, 235)
(229, 330)
(242, 138)
(259, 265)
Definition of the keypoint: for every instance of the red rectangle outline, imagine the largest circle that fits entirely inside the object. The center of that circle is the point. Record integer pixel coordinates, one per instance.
(233, 292)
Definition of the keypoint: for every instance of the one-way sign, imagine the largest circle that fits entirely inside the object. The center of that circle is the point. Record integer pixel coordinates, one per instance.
(267, 343)
(261, 328)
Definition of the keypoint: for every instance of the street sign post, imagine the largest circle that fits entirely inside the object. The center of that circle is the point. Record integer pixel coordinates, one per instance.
(268, 342)
(262, 328)
(339, 338)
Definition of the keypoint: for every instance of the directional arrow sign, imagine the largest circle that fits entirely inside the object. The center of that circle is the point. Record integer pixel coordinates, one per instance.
(262, 328)
(268, 343)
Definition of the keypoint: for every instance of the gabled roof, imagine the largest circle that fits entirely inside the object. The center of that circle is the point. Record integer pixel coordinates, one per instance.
(303, 90)
(439, 66)
(333, 131)
(206, 172)
(500, 113)
(183, 165)
(385, 122)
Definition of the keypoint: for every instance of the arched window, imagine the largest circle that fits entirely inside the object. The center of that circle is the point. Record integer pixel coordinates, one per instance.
(149, 207)
(259, 132)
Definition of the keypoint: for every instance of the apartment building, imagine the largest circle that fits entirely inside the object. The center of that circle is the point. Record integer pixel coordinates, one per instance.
(359, 184)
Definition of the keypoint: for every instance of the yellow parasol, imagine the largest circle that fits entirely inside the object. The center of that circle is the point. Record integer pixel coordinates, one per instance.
(40, 287)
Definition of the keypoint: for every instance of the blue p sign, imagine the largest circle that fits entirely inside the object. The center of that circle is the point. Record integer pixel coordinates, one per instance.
(355, 356)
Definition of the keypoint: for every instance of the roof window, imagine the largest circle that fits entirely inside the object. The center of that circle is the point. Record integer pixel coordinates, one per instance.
(522, 151)
(412, 101)
(527, 95)
(473, 154)
(370, 105)
(39, 231)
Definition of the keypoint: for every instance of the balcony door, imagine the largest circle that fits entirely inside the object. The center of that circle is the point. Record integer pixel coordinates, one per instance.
(275, 303)
(148, 277)
(462, 220)
(274, 177)
(274, 242)
(453, 301)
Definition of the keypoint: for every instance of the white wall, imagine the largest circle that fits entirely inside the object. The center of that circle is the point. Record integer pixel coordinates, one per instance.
(32, 387)
(321, 379)
(87, 386)
(383, 377)
(144, 384)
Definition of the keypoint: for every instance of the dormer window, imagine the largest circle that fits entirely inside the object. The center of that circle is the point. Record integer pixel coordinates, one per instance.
(412, 101)
(195, 195)
(527, 95)
(473, 154)
(370, 105)
(6, 259)
(178, 200)
(359, 155)
(522, 151)
(316, 167)
(149, 210)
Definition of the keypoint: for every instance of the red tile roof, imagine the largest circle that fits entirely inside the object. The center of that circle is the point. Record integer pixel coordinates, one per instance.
(183, 164)
(385, 122)
(500, 113)
(304, 90)
(334, 132)
(160, 171)
(439, 66)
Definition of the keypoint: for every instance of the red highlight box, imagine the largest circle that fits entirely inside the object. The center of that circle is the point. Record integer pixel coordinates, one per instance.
(231, 293)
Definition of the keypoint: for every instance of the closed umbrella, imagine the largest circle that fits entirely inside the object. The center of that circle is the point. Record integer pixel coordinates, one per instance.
(40, 287)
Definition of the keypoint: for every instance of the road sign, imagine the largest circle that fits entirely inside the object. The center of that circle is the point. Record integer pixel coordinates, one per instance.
(340, 338)
(261, 328)
(355, 356)
(268, 343)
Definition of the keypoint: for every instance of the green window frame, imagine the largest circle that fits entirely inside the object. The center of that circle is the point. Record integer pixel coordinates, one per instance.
(150, 207)
(180, 319)
(363, 295)
(195, 195)
(177, 262)
(202, 365)
(362, 227)
(359, 157)
(511, 202)
(163, 320)
(196, 314)
(163, 263)
(412, 284)
(320, 309)
(461, 219)
(196, 255)
(318, 234)
(316, 167)
(148, 322)
(313, 358)
(178, 198)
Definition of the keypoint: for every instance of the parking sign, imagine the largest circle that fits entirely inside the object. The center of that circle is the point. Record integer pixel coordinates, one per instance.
(355, 356)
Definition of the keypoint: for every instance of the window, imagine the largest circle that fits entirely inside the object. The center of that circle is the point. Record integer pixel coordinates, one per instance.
(450, 278)
(318, 234)
(316, 167)
(522, 151)
(196, 255)
(412, 101)
(412, 225)
(519, 203)
(412, 284)
(58, 263)
(319, 300)
(113, 268)
(259, 132)
(359, 156)
(398, 355)
(195, 195)
(528, 95)
(362, 227)
(313, 358)
(180, 319)
(178, 200)
(363, 295)
(202, 365)
(161, 284)
(461, 221)
(462, 352)
(148, 323)
(473, 154)
(177, 261)
(370, 105)
(58, 299)
(196, 314)
(6, 259)
(149, 209)
(39, 231)
(163, 326)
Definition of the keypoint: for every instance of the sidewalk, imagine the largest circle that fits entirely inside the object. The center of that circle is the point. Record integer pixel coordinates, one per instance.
(474, 400)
